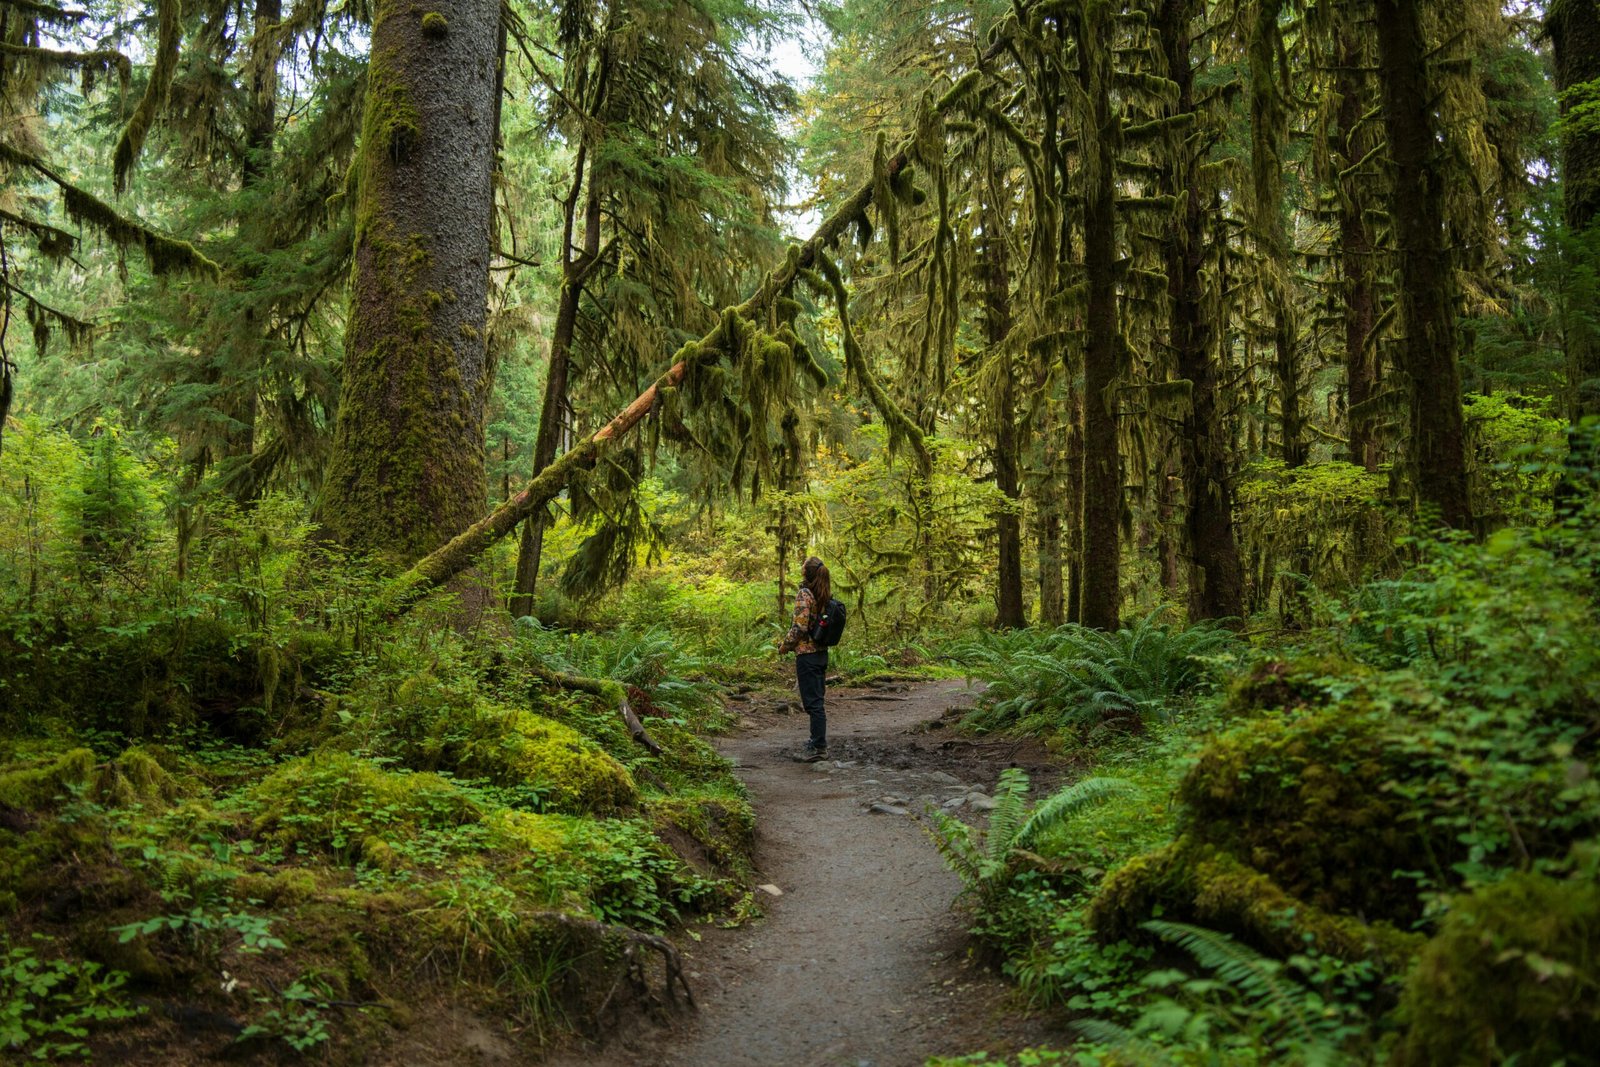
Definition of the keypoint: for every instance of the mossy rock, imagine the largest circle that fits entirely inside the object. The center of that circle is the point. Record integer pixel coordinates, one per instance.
(1308, 801)
(333, 801)
(1514, 973)
(1191, 881)
(572, 773)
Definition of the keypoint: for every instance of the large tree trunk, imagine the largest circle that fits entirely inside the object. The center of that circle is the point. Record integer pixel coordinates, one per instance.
(1357, 253)
(1268, 132)
(407, 469)
(575, 269)
(1574, 29)
(1009, 612)
(1215, 588)
(1074, 508)
(1428, 297)
(1102, 457)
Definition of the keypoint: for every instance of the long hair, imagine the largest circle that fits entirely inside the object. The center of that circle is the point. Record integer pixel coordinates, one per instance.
(815, 574)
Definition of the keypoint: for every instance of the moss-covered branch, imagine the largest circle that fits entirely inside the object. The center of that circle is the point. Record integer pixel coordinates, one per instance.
(901, 426)
(169, 36)
(446, 562)
(166, 254)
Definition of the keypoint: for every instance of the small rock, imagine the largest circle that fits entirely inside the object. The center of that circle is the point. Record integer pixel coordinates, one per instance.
(894, 800)
(953, 803)
(979, 802)
(888, 809)
(870, 781)
(770, 890)
(823, 766)
(944, 779)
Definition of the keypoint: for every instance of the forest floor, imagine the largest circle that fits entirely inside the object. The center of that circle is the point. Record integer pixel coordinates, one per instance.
(861, 959)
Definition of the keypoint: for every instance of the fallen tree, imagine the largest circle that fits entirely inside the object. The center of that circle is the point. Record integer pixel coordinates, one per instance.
(445, 563)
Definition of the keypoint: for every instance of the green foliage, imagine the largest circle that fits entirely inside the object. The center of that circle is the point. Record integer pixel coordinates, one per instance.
(1075, 678)
(1511, 977)
(49, 1006)
(987, 863)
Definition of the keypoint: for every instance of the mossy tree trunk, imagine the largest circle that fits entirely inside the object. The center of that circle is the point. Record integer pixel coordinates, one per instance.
(577, 264)
(1269, 129)
(1102, 457)
(1428, 291)
(997, 322)
(1574, 30)
(1357, 249)
(1211, 549)
(407, 469)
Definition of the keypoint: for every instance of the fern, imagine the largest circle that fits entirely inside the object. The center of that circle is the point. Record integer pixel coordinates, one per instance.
(984, 863)
(1253, 975)
(1063, 805)
(1072, 677)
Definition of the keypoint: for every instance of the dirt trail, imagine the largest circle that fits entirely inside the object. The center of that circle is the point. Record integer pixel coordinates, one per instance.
(860, 961)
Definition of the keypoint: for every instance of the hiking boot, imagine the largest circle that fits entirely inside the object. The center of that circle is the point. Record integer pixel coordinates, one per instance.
(811, 754)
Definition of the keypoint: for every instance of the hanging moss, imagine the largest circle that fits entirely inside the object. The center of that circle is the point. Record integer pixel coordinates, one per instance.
(169, 16)
(1514, 974)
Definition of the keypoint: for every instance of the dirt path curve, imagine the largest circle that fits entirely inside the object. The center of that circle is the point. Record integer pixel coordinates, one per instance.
(860, 961)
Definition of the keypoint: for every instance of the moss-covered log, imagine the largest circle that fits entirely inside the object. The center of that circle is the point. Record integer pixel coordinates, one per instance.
(407, 469)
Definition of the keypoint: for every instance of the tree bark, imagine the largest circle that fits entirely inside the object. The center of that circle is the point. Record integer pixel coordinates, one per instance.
(1428, 294)
(407, 469)
(1268, 133)
(1574, 30)
(1102, 458)
(1009, 612)
(1357, 252)
(1211, 549)
(576, 267)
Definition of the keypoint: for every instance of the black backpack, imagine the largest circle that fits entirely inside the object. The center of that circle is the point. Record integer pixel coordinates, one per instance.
(827, 630)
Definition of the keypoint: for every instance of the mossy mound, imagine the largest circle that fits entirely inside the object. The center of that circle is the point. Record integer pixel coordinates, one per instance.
(336, 803)
(1308, 801)
(571, 773)
(1513, 974)
(1190, 881)
(713, 832)
(1290, 830)
(43, 783)
(1279, 684)
(139, 775)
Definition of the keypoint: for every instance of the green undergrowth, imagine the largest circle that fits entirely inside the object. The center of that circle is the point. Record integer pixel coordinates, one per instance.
(1379, 843)
(258, 821)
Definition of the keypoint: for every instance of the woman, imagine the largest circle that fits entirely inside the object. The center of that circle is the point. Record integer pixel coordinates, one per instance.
(810, 662)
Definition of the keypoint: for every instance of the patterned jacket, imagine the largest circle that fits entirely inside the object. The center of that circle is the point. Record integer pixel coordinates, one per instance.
(798, 639)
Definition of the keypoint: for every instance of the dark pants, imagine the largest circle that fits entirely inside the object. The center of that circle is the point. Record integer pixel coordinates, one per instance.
(811, 669)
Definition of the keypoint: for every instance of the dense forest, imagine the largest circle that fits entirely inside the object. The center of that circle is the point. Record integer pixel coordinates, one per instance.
(414, 418)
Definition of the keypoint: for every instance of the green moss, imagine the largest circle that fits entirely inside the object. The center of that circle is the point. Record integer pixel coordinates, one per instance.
(1190, 881)
(1288, 684)
(1308, 801)
(1512, 975)
(42, 783)
(435, 25)
(519, 747)
(332, 802)
(138, 777)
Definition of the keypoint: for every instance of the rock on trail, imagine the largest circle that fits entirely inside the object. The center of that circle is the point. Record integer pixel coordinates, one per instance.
(859, 959)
